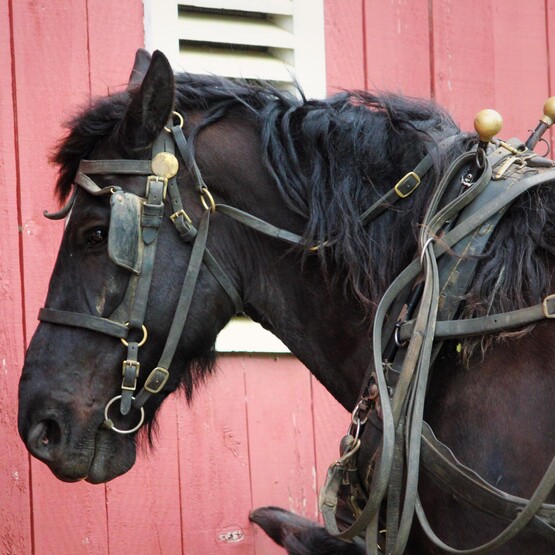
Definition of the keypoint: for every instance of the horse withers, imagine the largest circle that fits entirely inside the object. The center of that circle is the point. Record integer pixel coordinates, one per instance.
(191, 198)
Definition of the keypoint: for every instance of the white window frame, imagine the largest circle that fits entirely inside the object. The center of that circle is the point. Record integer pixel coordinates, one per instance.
(298, 33)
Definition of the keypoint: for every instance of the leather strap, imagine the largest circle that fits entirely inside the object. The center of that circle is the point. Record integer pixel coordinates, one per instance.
(411, 367)
(87, 321)
(406, 185)
(451, 329)
(463, 483)
(182, 309)
(127, 167)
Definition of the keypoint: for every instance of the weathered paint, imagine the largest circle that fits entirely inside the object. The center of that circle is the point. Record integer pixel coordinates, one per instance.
(263, 430)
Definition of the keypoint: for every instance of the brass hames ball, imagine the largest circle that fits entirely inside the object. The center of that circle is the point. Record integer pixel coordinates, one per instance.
(488, 123)
(549, 111)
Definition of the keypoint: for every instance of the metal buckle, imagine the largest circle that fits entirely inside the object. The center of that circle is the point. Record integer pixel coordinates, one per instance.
(152, 178)
(546, 312)
(181, 212)
(130, 364)
(152, 378)
(403, 180)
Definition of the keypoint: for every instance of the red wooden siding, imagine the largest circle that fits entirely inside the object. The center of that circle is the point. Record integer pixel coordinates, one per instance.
(263, 430)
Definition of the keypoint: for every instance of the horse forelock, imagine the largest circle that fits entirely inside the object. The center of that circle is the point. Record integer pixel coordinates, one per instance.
(85, 131)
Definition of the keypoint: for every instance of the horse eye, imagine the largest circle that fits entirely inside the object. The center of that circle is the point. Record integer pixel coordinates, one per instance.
(97, 236)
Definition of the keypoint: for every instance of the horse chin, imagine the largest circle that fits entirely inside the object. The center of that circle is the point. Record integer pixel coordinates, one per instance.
(113, 456)
(107, 457)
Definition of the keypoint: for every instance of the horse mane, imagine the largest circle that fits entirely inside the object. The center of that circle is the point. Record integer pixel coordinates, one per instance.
(330, 160)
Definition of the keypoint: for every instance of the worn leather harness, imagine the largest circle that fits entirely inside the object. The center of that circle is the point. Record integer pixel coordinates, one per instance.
(396, 381)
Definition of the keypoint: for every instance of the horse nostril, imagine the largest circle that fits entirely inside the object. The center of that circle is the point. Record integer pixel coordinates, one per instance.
(43, 437)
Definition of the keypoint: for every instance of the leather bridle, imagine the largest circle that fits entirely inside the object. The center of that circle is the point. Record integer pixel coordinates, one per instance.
(127, 320)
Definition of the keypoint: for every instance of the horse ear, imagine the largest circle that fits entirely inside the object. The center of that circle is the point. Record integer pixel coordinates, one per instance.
(151, 104)
(140, 67)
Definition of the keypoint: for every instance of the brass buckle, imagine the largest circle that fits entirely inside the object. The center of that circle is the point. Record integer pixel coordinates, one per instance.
(403, 180)
(130, 364)
(152, 178)
(546, 312)
(157, 388)
(181, 212)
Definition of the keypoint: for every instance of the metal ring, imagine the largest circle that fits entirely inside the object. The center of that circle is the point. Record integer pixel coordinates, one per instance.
(396, 338)
(205, 191)
(142, 341)
(179, 117)
(110, 425)
(480, 158)
(355, 418)
(546, 142)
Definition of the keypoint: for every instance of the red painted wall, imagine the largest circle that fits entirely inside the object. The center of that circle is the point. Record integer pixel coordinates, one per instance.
(264, 431)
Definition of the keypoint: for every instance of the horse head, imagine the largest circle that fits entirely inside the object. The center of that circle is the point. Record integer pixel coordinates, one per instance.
(118, 276)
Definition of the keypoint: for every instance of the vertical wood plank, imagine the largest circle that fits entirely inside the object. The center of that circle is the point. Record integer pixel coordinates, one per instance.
(214, 465)
(550, 46)
(463, 58)
(520, 94)
(281, 444)
(521, 65)
(115, 32)
(51, 78)
(69, 519)
(344, 38)
(144, 504)
(397, 42)
(331, 422)
(15, 524)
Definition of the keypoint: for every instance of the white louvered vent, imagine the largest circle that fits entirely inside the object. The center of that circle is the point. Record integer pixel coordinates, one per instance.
(237, 42)
(273, 40)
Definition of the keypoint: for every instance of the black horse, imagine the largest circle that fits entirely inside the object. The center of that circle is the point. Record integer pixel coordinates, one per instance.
(310, 168)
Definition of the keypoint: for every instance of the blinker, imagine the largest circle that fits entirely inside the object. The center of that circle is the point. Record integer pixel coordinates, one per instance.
(124, 237)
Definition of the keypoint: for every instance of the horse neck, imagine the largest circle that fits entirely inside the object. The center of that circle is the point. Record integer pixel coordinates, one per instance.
(324, 328)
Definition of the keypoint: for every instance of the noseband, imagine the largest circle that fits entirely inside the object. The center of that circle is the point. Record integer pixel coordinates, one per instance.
(127, 320)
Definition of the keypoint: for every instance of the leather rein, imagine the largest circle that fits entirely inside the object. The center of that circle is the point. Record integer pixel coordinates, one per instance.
(404, 352)
(401, 400)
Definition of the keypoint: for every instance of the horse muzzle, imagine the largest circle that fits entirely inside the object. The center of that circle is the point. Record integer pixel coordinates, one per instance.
(72, 454)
